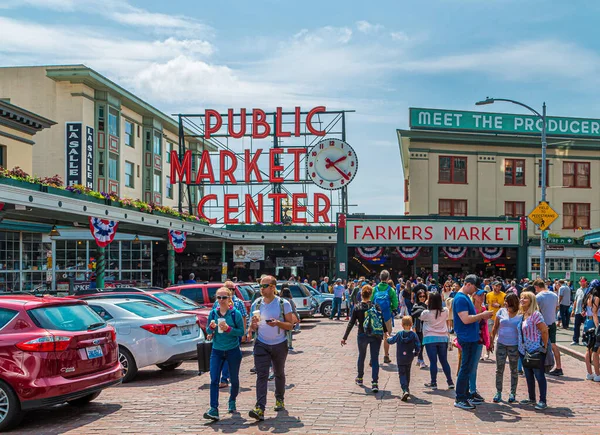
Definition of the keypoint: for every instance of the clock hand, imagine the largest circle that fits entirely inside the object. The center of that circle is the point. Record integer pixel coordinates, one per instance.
(330, 163)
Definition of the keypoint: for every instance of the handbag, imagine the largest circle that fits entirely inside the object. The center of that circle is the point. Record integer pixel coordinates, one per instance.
(532, 360)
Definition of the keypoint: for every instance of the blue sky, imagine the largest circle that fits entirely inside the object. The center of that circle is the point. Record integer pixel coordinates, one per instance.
(378, 58)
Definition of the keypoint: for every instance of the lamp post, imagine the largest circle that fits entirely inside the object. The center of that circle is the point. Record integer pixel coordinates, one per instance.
(542, 116)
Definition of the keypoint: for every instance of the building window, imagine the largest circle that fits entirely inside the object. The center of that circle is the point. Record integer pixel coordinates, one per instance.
(514, 172)
(3, 156)
(406, 189)
(157, 143)
(576, 215)
(157, 185)
(129, 174)
(129, 136)
(514, 208)
(586, 265)
(535, 264)
(113, 122)
(453, 170)
(453, 207)
(540, 173)
(169, 149)
(113, 167)
(576, 174)
(559, 264)
(169, 188)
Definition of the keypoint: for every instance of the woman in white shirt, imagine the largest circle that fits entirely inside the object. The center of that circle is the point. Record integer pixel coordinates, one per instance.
(435, 338)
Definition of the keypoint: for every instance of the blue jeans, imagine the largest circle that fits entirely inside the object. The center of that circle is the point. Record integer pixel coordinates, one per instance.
(374, 344)
(435, 351)
(473, 376)
(336, 307)
(225, 371)
(539, 375)
(466, 367)
(217, 359)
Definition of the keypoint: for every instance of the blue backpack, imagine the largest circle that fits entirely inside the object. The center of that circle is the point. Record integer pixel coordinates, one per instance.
(372, 324)
(382, 298)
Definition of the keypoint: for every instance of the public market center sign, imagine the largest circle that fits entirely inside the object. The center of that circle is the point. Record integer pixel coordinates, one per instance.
(439, 119)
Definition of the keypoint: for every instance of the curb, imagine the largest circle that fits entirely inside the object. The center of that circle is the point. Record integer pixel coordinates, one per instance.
(573, 353)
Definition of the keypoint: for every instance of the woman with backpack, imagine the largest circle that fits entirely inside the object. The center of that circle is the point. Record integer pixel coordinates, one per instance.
(419, 306)
(371, 330)
(435, 338)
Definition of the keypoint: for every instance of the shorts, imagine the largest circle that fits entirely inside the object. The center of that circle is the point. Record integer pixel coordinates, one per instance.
(490, 323)
(388, 326)
(552, 333)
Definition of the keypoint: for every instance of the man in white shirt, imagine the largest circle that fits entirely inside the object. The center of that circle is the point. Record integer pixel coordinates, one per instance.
(578, 310)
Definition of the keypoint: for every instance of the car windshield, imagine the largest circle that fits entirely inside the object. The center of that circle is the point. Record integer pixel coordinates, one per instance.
(72, 317)
(246, 292)
(145, 309)
(176, 301)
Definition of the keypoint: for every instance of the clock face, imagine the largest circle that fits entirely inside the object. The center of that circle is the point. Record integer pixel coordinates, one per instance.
(331, 164)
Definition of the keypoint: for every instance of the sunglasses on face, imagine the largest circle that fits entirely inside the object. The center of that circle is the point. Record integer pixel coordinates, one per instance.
(265, 285)
(222, 298)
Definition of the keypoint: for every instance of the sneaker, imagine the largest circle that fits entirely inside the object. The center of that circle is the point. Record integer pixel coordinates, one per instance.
(291, 348)
(540, 406)
(253, 370)
(257, 413)
(512, 398)
(556, 372)
(596, 378)
(589, 377)
(279, 405)
(424, 366)
(451, 386)
(386, 359)
(574, 343)
(464, 405)
(476, 397)
(212, 414)
(231, 408)
(498, 397)
(521, 372)
(432, 385)
(375, 387)
(405, 396)
(359, 381)
(527, 402)
(418, 363)
(271, 376)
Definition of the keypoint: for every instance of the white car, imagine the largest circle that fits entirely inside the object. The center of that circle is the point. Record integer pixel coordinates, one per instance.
(149, 334)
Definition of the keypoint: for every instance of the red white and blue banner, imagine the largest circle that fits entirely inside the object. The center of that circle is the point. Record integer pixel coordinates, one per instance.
(455, 252)
(178, 240)
(491, 253)
(369, 252)
(408, 252)
(103, 230)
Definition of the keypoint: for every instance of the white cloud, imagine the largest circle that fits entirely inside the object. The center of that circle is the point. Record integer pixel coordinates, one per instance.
(366, 27)
(400, 36)
(327, 34)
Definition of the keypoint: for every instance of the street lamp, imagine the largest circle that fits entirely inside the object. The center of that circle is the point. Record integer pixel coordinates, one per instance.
(542, 116)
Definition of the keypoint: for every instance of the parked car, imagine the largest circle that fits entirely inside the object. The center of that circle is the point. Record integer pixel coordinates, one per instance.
(205, 293)
(168, 299)
(325, 301)
(52, 350)
(301, 297)
(149, 334)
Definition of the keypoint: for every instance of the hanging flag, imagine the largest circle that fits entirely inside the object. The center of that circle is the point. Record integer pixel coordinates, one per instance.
(490, 253)
(597, 256)
(103, 230)
(408, 252)
(454, 252)
(369, 252)
(178, 240)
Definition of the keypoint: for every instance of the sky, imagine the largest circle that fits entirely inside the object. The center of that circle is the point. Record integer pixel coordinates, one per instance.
(378, 58)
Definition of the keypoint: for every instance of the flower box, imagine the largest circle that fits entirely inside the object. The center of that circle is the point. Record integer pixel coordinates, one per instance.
(19, 183)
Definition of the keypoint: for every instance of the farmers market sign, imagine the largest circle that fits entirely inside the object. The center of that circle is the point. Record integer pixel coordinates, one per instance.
(438, 119)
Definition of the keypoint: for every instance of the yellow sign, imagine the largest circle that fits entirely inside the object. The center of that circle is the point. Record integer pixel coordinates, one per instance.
(543, 215)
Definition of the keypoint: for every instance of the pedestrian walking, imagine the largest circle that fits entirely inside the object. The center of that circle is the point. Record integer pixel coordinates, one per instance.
(418, 308)
(506, 329)
(591, 302)
(385, 296)
(271, 317)
(286, 294)
(578, 310)
(436, 339)
(547, 302)
(347, 300)
(466, 327)
(226, 327)
(371, 330)
(338, 295)
(564, 303)
(407, 346)
(533, 345)
(494, 300)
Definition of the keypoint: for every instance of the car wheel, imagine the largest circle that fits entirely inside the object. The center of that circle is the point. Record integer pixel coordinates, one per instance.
(326, 309)
(169, 367)
(129, 366)
(10, 408)
(84, 400)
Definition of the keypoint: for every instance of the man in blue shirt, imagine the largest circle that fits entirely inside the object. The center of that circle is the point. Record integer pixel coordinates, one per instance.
(338, 293)
(466, 327)
(191, 280)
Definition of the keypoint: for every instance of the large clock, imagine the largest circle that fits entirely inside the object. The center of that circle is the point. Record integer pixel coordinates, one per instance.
(331, 164)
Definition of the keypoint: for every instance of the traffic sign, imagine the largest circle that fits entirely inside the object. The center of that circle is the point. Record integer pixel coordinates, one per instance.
(543, 215)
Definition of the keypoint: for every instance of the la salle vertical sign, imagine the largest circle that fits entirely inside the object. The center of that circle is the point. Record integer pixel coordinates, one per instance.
(89, 157)
(74, 131)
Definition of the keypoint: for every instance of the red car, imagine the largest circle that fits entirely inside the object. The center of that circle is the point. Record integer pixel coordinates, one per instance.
(160, 297)
(205, 293)
(52, 350)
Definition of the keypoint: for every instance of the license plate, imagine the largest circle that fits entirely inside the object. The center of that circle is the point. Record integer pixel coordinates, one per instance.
(94, 352)
(186, 330)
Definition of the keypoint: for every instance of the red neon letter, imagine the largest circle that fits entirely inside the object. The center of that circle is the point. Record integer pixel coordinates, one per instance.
(229, 208)
(252, 165)
(297, 152)
(273, 168)
(277, 197)
(257, 211)
(205, 162)
(208, 130)
(297, 208)
(297, 122)
(259, 118)
(204, 200)
(318, 109)
(324, 213)
(279, 124)
(184, 169)
(231, 123)
(227, 172)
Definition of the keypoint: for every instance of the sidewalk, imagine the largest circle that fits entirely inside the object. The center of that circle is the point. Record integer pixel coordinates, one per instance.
(564, 337)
